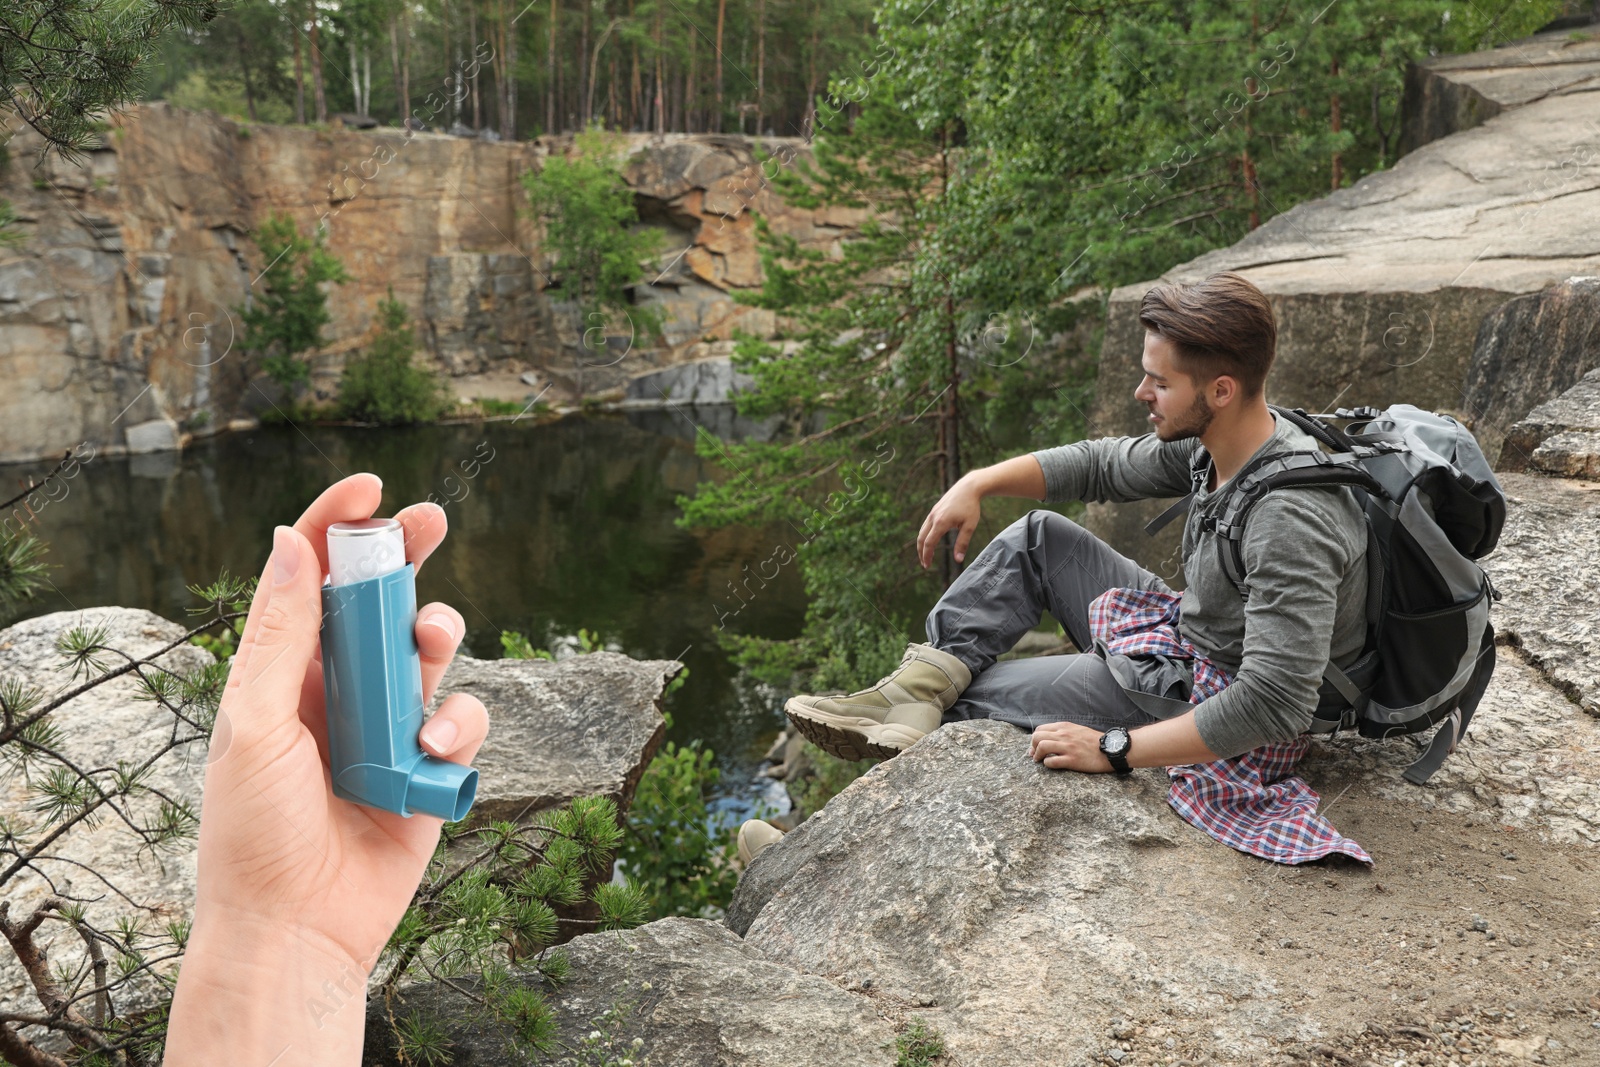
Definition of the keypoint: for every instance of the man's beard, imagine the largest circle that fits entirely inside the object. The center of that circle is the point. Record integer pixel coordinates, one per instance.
(1192, 423)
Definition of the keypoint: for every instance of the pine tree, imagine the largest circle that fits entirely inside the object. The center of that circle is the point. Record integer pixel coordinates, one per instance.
(288, 312)
(384, 385)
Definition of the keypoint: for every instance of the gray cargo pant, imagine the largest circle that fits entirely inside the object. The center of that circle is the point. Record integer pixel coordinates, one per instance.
(1043, 561)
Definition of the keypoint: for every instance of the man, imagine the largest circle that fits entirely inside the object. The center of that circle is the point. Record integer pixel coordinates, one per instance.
(1207, 350)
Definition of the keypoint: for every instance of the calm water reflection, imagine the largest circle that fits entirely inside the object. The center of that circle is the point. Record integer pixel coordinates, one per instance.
(568, 525)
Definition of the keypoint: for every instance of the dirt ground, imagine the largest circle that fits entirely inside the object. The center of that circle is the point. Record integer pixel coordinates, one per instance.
(1467, 943)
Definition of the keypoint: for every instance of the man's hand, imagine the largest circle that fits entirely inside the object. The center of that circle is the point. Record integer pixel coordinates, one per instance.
(1067, 746)
(959, 509)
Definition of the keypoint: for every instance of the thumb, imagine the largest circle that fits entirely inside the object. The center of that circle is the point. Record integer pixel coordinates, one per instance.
(287, 631)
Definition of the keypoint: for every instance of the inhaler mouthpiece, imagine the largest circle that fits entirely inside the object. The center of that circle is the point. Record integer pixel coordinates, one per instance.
(372, 678)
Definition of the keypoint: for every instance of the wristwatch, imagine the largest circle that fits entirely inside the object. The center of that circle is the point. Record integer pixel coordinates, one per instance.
(1114, 745)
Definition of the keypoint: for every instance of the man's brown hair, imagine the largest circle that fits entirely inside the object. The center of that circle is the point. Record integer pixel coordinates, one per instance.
(1221, 325)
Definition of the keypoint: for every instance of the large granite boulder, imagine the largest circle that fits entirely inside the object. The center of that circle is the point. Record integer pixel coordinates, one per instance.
(688, 990)
(1039, 917)
(1560, 436)
(1448, 94)
(585, 726)
(1529, 350)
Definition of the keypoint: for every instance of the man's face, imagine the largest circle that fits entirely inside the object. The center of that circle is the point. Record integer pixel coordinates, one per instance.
(1177, 403)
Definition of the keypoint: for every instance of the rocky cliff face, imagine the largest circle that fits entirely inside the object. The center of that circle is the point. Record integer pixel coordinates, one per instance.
(120, 309)
(1395, 288)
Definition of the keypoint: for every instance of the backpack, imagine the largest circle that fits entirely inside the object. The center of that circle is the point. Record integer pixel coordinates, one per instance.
(1432, 507)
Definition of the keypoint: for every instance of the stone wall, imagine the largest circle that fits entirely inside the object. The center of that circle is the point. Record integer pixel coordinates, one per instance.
(121, 306)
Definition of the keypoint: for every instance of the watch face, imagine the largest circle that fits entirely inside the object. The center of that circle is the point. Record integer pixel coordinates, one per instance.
(1116, 742)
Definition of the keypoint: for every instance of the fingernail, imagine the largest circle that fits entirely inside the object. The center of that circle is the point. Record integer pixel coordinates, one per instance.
(285, 556)
(444, 621)
(439, 734)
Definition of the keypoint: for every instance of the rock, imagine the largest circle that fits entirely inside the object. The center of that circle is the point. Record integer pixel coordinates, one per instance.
(1544, 568)
(1556, 328)
(689, 990)
(1448, 94)
(157, 435)
(584, 726)
(98, 728)
(137, 258)
(1381, 289)
(1560, 435)
(960, 873)
(706, 381)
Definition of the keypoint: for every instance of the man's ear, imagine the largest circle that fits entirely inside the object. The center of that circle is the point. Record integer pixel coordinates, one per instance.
(1223, 390)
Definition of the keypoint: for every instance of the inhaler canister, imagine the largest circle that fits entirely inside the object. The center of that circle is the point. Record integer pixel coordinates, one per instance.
(372, 678)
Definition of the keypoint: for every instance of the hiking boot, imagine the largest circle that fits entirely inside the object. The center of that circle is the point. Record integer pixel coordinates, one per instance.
(889, 717)
(754, 837)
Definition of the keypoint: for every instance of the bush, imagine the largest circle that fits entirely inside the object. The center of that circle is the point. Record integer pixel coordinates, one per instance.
(673, 852)
(384, 385)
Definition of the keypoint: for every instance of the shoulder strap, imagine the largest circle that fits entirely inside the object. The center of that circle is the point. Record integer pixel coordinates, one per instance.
(1281, 470)
(1199, 471)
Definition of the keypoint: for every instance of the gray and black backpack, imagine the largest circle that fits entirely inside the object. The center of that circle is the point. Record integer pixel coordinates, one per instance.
(1433, 507)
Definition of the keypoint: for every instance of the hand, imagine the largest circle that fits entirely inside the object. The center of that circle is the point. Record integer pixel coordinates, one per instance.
(281, 859)
(959, 509)
(1068, 746)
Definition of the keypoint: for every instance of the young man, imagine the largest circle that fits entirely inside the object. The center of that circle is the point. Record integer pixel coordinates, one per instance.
(1207, 350)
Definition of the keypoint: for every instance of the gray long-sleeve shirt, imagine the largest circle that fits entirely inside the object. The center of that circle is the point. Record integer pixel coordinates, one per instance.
(1305, 568)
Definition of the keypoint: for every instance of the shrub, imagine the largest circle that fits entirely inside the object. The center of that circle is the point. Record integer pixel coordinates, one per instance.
(384, 385)
(673, 851)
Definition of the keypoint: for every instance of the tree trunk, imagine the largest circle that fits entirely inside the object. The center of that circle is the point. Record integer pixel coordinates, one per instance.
(244, 68)
(583, 53)
(355, 74)
(550, 88)
(508, 124)
(405, 64)
(661, 105)
(472, 27)
(761, 62)
(690, 93)
(316, 68)
(808, 121)
(722, 11)
(1338, 168)
(299, 74)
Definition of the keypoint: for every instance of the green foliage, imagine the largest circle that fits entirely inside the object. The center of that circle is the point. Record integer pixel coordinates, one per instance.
(498, 911)
(1013, 161)
(384, 385)
(10, 236)
(607, 1044)
(517, 646)
(919, 1046)
(22, 567)
(64, 62)
(683, 865)
(589, 227)
(827, 778)
(491, 406)
(290, 308)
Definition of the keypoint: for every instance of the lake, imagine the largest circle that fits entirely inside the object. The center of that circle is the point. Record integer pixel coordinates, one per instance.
(565, 525)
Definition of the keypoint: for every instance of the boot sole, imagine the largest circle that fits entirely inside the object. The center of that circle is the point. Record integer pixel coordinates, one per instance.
(850, 737)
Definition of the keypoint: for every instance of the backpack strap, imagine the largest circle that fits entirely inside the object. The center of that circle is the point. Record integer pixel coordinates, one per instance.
(1282, 470)
(1454, 728)
(1199, 472)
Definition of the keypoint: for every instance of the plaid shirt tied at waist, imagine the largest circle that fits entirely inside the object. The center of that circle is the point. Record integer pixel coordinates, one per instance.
(1252, 802)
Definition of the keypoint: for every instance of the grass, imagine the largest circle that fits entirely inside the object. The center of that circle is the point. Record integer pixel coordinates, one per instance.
(919, 1046)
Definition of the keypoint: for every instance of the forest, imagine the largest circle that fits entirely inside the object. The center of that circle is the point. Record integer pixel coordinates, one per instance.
(510, 69)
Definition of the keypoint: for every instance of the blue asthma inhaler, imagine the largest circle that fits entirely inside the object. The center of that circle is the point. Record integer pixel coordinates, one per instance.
(372, 678)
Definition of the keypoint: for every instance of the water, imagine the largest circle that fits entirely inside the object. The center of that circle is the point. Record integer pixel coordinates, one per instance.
(562, 525)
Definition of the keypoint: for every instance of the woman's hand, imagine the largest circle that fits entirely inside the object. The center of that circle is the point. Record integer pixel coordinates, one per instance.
(1067, 746)
(295, 884)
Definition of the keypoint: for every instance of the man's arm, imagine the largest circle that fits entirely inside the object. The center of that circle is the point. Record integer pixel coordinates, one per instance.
(1113, 468)
(1067, 746)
